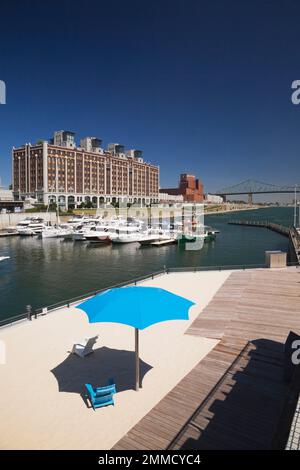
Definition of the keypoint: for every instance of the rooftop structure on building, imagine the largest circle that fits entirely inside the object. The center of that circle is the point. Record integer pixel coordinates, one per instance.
(64, 139)
(91, 144)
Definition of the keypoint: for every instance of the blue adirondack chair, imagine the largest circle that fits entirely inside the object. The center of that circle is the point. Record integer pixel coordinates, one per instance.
(109, 388)
(101, 396)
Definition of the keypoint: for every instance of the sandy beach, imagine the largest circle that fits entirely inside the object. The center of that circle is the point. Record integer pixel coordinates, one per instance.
(42, 404)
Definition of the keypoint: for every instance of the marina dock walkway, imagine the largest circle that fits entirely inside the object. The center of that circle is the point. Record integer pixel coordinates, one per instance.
(235, 398)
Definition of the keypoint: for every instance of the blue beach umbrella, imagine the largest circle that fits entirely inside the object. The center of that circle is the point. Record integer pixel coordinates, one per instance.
(138, 307)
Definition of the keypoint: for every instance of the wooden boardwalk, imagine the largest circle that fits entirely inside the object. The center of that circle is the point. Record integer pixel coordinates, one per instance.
(235, 398)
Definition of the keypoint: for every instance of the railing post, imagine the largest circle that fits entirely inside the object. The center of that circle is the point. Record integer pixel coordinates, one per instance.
(29, 312)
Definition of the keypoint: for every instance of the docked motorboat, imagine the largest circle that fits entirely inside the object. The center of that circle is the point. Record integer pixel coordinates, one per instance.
(33, 228)
(126, 234)
(81, 220)
(24, 224)
(204, 233)
(210, 232)
(59, 231)
(100, 239)
(129, 238)
(156, 235)
(3, 258)
(80, 233)
(100, 234)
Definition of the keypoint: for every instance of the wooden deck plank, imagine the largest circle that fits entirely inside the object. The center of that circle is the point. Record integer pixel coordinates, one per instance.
(234, 397)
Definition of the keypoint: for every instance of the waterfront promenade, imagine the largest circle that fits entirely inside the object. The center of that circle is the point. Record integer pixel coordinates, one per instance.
(235, 398)
(52, 414)
(214, 381)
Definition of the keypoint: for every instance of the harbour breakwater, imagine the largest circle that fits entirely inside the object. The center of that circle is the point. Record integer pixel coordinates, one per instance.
(291, 232)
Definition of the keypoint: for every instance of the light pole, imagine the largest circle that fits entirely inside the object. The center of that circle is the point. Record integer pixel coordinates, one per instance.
(295, 207)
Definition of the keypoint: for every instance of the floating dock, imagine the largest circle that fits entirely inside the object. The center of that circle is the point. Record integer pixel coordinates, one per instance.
(169, 241)
(8, 234)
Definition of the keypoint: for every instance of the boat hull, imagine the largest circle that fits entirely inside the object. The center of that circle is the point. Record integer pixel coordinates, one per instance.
(100, 240)
(124, 240)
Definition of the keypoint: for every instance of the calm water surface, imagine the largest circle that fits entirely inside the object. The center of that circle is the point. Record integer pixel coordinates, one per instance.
(42, 272)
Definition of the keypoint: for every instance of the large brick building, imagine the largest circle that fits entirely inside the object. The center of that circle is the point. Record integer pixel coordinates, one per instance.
(190, 188)
(61, 172)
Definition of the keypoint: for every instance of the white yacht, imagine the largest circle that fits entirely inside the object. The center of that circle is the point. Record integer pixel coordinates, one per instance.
(35, 227)
(100, 234)
(22, 224)
(156, 235)
(2, 258)
(59, 231)
(79, 220)
(117, 221)
(80, 233)
(126, 234)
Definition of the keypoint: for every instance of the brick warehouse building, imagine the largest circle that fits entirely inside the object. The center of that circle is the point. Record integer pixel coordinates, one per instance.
(59, 171)
(190, 188)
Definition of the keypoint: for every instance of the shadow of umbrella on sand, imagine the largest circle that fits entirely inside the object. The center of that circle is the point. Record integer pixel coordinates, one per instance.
(97, 368)
(136, 306)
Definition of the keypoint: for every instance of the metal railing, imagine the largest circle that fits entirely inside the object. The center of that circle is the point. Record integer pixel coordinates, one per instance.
(41, 311)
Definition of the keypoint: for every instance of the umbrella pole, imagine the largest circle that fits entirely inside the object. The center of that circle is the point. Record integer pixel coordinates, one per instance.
(137, 361)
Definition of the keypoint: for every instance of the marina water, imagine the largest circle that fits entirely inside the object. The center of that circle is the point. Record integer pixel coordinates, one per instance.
(43, 272)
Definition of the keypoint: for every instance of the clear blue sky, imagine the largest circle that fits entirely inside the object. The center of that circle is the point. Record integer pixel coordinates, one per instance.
(201, 87)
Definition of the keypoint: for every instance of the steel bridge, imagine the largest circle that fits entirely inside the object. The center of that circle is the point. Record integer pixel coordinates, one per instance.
(251, 187)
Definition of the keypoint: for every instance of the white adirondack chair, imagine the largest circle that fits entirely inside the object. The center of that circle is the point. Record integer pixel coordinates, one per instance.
(85, 347)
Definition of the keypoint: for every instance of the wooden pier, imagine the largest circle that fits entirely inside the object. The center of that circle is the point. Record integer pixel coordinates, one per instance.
(235, 398)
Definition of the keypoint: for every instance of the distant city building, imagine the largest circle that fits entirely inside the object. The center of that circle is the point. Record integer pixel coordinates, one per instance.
(190, 188)
(7, 202)
(6, 194)
(58, 171)
(213, 199)
(166, 198)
